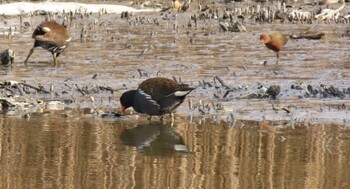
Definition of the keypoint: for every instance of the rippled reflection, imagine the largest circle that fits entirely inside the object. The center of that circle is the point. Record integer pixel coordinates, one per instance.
(51, 151)
(154, 139)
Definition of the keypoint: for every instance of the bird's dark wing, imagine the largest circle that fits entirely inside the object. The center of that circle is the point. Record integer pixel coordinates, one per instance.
(143, 103)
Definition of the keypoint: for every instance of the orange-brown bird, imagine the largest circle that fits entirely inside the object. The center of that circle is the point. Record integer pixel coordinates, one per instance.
(50, 36)
(274, 41)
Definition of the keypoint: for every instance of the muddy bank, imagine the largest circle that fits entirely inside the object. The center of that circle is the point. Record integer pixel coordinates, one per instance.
(110, 54)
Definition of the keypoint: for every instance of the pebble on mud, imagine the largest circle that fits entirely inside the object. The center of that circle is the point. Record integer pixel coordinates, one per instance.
(7, 56)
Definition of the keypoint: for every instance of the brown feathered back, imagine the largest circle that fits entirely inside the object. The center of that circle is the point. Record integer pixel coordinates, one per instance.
(52, 32)
(159, 87)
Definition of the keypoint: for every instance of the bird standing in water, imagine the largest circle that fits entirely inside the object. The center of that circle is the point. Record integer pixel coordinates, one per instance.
(274, 41)
(50, 36)
(156, 96)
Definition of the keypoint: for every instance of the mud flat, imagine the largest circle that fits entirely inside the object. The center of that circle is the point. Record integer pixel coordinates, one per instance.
(231, 70)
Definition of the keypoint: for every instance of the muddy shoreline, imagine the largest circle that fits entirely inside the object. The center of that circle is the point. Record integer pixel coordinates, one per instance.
(109, 55)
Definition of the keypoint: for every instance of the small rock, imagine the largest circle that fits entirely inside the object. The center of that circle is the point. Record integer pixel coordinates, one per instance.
(236, 27)
(273, 90)
(7, 57)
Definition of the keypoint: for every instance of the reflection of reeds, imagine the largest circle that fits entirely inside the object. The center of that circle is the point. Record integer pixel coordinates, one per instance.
(52, 152)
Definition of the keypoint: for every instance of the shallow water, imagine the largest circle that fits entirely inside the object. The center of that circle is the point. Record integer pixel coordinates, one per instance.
(260, 148)
(79, 151)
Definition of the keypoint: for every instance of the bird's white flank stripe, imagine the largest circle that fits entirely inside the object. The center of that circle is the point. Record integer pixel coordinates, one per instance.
(46, 29)
(181, 93)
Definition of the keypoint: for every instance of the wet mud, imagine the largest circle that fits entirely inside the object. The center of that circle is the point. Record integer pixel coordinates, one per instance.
(230, 70)
(250, 123)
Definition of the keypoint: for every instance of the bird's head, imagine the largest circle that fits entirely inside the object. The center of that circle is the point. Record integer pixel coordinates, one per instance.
(265, 38)
(127, 99)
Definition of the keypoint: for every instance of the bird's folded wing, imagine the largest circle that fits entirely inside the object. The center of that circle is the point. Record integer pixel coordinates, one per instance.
(44, 39)
(146, 104)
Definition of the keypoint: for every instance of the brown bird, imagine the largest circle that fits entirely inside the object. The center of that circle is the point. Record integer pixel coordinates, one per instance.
(156, 96)
(274, 41)
(50, 36)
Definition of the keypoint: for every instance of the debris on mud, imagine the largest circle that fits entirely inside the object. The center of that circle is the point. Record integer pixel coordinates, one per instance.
(264, 92)
(273, 91)
(21, 97)
(277, 108)
(313, 36)
(7, 56)
(20, 106)
(109, 115)
(232, 27)
(13, 88)
(325, 91)
(322, 91)
(55, 105)
(327, 14)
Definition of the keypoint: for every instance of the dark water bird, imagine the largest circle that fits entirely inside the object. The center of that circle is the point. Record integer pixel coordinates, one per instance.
(274, 41)
(156, 96)
(50, 36)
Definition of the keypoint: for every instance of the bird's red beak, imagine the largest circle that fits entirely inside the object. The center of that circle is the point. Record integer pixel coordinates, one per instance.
(264, 38)
(123, 109)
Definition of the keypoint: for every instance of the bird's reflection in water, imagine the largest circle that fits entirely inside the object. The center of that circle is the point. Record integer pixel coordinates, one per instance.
(154, 139)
